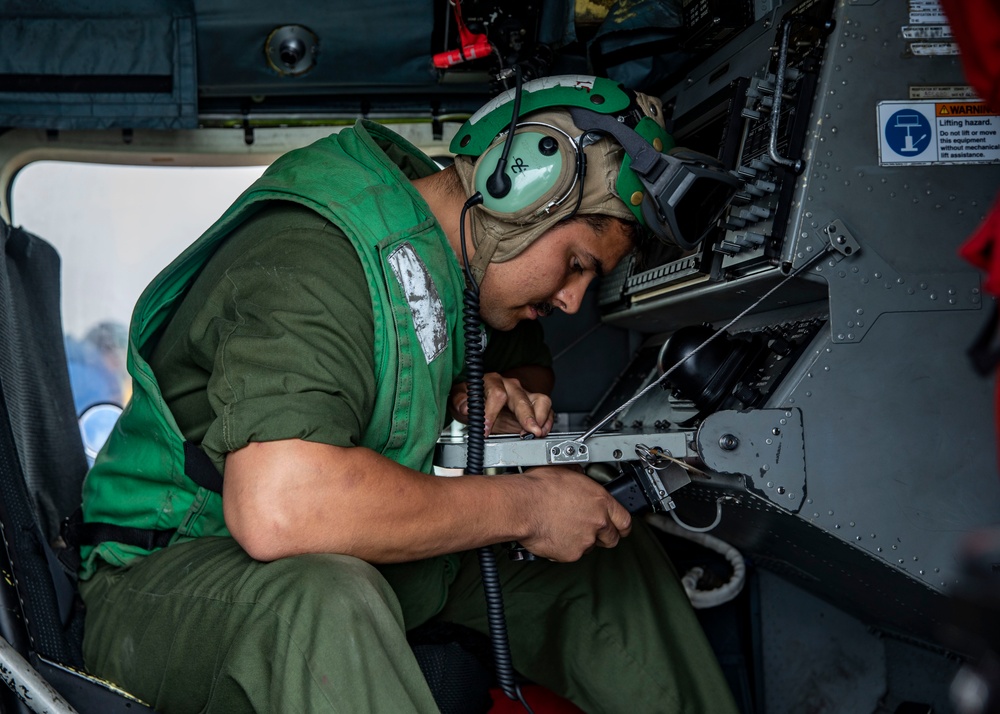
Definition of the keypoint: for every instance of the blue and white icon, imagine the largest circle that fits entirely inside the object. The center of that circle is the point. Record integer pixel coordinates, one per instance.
(908, 132)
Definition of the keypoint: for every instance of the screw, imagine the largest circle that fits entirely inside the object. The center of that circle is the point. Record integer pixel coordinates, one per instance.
(728, 442)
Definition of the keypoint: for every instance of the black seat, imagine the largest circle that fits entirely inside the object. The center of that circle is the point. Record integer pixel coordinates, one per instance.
(42, 465)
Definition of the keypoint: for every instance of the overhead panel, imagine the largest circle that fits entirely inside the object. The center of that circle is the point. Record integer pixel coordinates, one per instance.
(128, 64)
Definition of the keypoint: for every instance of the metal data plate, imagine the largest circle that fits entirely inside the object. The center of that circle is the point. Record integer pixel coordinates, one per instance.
(513, 451)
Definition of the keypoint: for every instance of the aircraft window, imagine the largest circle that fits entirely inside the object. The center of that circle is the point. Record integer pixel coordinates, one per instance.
(115, 228)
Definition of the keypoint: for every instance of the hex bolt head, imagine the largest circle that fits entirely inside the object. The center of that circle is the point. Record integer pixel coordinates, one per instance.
(728, 442)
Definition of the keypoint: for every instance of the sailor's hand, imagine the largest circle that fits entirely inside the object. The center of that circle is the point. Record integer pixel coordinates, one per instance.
(510, 408)
(571, 514)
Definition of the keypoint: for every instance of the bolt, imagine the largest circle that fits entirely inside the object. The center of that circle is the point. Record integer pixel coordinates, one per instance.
(728, 442)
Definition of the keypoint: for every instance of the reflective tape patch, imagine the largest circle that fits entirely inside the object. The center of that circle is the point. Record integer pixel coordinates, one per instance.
(429, 320)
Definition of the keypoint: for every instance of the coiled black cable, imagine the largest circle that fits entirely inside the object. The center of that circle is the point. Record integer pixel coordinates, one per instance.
(475, 452)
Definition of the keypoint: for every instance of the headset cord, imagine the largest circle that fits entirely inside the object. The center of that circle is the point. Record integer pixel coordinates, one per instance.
(475, 451)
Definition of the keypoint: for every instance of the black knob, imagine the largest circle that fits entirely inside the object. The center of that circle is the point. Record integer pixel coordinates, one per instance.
(780, 346)
(291, 51)
(746, 394)
(548, 146)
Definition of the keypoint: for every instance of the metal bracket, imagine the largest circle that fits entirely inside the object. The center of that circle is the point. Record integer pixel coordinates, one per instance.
(603, 447)
(840, 238)
(767, 446)
(567, 452)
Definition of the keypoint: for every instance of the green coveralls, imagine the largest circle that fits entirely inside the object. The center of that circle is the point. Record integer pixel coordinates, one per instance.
(199, 626)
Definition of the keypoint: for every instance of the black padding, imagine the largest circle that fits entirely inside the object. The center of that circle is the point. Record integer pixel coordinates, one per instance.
(25, 547)
(36, 377)
(457, 664)
(42, 464)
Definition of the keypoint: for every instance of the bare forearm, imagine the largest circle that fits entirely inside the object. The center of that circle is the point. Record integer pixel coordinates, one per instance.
(356, 502)
(285, 498)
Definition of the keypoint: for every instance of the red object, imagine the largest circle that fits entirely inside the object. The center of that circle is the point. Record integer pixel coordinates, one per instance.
(472, 45)
(975, 25)
(540, 699)
(982, 249)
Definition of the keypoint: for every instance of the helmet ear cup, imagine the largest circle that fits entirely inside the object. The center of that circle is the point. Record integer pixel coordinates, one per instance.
(541, 166)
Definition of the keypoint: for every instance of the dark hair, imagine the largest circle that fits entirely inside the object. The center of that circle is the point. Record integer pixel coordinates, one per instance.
(641, 239)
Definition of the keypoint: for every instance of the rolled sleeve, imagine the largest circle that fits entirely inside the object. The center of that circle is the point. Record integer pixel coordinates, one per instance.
(284, 332)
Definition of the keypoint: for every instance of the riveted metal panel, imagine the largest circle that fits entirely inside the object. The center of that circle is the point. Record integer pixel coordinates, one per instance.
(898, 444)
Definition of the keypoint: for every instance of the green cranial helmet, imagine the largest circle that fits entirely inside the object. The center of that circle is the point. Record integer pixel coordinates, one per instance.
(676, 194)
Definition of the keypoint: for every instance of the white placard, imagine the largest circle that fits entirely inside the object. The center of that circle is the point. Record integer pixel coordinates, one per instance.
(918, 133)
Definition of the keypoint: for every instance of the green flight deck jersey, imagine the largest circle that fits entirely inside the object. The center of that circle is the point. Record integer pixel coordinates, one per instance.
(415, 286)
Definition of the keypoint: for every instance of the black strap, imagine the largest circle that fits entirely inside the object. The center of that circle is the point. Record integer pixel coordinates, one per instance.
(76, 533)
(200, 468)
(646, 161)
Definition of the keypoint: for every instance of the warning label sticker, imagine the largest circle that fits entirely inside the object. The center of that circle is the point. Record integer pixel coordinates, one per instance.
(926, 32)
(933, 132)
(927, 12)
(942, 91)
(933, 49)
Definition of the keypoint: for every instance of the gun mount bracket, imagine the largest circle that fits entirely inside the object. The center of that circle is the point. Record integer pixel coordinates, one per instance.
(765, 446)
